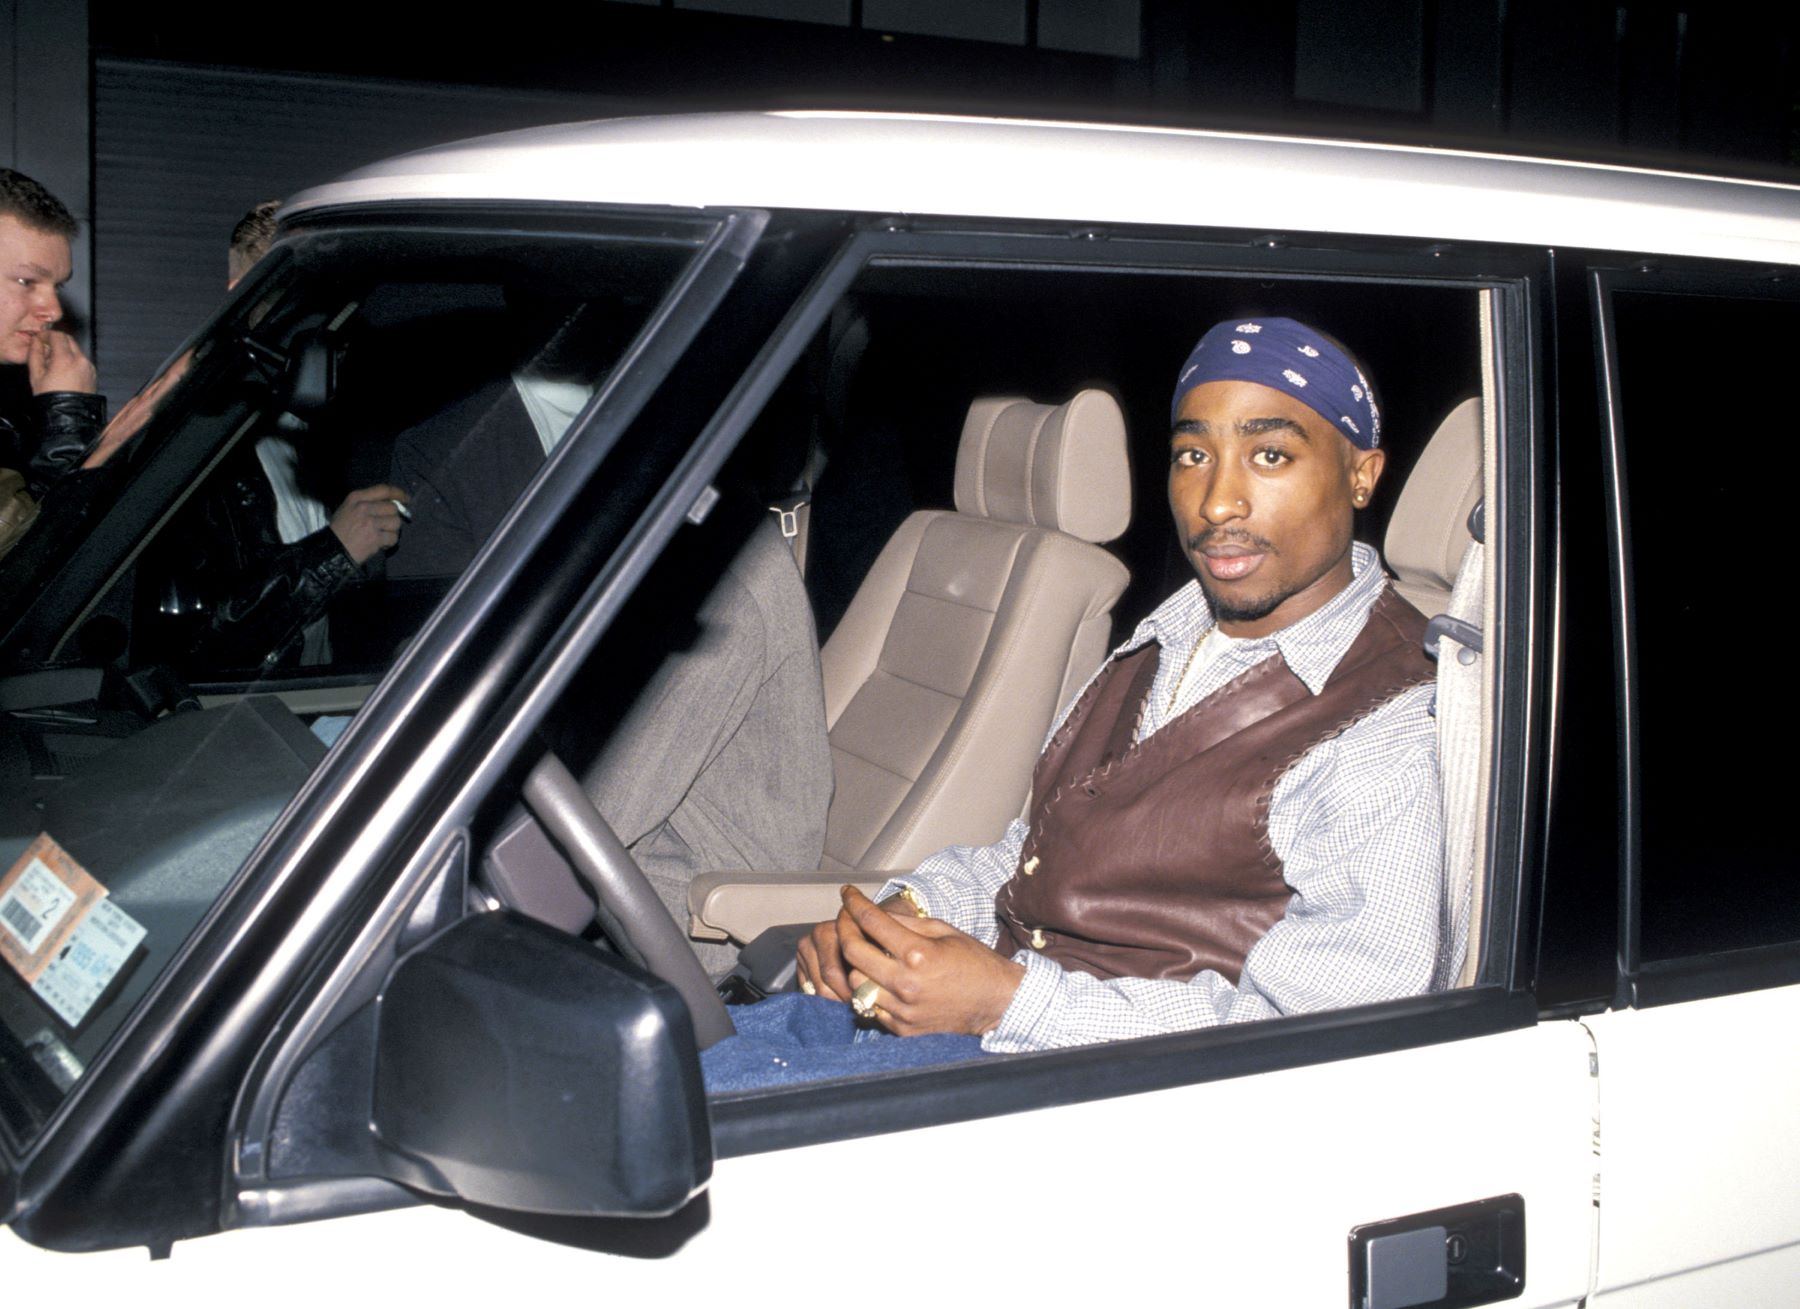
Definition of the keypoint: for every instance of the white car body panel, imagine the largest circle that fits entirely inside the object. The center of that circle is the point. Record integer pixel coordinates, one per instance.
(1699, 1143)
(905, 164)
(1245, 1190)
(1771, 1278)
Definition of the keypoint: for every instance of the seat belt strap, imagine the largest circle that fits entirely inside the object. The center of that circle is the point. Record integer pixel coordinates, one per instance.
(1455, 640)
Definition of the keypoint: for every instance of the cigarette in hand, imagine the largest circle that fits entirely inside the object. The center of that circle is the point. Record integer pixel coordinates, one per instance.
(405, 513)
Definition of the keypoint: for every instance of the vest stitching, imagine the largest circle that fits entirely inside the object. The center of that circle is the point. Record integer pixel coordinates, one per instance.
(1084, 702)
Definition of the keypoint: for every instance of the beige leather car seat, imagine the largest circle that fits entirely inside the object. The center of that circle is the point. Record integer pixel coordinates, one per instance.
(1429, 531)
(970, 631)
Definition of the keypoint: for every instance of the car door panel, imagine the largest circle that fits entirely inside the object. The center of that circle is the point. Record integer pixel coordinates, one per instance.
(1769, 1278)
(1243, 1191)
(1699, 1146)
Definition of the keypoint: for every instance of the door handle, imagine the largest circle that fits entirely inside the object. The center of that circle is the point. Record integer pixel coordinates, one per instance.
(1467, 1254)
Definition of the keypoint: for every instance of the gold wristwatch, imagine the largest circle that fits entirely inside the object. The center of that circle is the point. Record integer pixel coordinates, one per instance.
(911, 897)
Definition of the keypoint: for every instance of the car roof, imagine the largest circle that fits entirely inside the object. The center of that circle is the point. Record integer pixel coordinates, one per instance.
(1091, 173)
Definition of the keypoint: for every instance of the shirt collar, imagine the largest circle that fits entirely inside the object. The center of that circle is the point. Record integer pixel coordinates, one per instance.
(1310, 647)
(552, 406)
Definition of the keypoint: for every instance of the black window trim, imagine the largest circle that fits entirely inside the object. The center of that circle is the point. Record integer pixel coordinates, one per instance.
(1577, 915)
(752, 1123)
(1624, 623)
(1525, 686)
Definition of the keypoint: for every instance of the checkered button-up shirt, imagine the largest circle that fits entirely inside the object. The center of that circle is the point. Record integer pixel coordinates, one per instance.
(1357, 823)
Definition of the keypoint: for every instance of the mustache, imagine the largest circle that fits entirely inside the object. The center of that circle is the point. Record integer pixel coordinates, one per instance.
(1230, 536)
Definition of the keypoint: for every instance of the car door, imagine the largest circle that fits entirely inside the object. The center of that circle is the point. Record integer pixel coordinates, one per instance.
(1209, 1181)
(1240, 1159)
(1699, 1065)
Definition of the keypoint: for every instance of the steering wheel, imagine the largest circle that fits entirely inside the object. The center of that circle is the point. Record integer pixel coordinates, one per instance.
(629, 908)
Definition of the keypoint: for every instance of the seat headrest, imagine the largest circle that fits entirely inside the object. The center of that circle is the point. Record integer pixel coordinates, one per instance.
(1056, 466)
(1430, 527)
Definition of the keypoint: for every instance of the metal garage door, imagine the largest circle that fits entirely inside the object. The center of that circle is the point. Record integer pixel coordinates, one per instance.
(180, 152)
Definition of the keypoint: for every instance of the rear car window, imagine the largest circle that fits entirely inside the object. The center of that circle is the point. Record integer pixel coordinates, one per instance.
(1707, 544)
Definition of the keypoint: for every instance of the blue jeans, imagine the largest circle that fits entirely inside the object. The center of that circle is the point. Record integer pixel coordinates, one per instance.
(803, 1038)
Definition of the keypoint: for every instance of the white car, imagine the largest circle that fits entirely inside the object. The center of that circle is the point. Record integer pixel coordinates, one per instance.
(316, 1016)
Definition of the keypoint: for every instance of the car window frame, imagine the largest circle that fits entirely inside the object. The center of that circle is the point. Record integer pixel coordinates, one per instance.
(1501, 1000)
(342, 981)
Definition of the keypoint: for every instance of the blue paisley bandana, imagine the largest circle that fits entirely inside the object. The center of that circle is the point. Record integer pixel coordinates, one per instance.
(1289, 357)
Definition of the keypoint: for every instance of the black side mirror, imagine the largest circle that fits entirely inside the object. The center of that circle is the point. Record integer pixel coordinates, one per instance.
(522, 1068)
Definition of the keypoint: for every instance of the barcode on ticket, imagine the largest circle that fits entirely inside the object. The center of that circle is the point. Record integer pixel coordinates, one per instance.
(44, 897)
(27, 926)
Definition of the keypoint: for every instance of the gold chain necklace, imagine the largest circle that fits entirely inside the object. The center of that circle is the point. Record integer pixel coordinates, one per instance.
(1188, 666)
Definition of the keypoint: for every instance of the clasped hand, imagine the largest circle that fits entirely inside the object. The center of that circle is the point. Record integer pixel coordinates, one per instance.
(933, 977)
(57, 363)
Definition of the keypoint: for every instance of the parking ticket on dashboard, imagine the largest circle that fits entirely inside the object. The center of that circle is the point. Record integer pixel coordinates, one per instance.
(59, 932)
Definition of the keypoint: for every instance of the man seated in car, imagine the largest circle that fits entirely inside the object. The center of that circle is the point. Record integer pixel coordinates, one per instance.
(1238, 818)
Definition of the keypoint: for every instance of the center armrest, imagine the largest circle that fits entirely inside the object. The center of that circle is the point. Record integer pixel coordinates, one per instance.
(740, 906)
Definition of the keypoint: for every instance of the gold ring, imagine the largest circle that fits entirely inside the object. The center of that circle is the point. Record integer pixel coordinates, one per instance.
(862, 999)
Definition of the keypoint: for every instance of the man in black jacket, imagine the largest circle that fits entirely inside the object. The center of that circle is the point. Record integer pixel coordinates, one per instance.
(50, 416)
(256, 556)
(264, 557)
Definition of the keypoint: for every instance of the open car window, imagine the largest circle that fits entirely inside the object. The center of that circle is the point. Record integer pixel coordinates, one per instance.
(865, 427)
(201, 618)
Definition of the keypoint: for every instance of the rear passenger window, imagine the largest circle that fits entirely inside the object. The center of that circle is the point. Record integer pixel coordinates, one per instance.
(1705, 453)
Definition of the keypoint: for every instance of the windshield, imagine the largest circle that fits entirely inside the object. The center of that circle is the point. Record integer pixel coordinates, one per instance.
(189, 626)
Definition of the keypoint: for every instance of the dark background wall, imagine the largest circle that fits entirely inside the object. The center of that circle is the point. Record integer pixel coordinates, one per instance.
(162, 123)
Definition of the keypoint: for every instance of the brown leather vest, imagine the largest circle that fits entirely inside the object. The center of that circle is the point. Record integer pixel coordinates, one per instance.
(1152, 858)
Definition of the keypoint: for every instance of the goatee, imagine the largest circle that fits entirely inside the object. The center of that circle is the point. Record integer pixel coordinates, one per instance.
(1239, 611)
